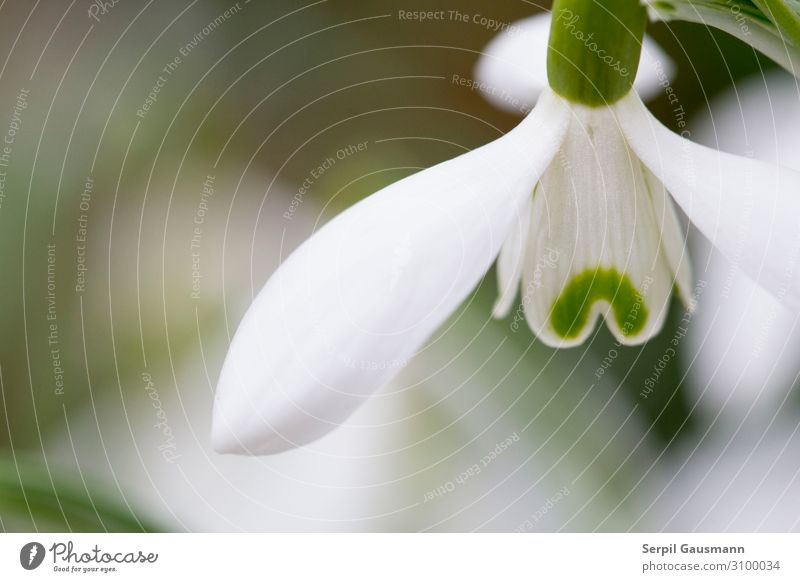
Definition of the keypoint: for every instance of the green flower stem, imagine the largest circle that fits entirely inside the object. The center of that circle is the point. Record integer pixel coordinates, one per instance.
(594, 49)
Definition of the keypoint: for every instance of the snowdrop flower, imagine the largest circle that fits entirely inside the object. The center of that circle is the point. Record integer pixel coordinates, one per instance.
(574, 201)
(512, 74)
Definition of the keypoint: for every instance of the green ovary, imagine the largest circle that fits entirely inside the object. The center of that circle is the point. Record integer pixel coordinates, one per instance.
(594, 48)
(570, 312)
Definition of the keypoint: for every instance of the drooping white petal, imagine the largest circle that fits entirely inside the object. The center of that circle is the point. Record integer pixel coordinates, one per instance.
(748, 209)
(512, 71)
(343, 314)
(595, 244)
(509, 263)
(744, 343)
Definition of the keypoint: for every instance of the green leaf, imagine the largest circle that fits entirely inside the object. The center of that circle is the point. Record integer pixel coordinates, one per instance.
(785, 15)
(37, 498)
(770, 26)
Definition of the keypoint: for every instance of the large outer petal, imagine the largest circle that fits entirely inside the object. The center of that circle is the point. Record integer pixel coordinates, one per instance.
(343, 313)
(512, 71)
(749, 210)
(744, 344)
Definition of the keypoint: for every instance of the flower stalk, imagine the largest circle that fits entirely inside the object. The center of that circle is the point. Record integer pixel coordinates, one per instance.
(594, 49)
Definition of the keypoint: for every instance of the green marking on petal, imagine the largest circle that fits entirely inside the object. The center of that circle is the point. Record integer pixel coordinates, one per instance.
(570, 312)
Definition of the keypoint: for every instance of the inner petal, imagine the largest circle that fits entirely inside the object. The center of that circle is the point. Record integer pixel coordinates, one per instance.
(510, 261)
(593, 211)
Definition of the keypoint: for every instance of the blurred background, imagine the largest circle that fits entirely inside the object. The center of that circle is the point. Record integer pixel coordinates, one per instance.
(162, 158)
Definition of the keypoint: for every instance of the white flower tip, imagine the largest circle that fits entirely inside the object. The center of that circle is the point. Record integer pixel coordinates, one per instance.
(263, 406)
(253, 415)
(225, 441)
(501, 308)
(231, 436)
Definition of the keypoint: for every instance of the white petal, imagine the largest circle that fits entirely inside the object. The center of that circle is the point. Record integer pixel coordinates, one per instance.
(512, 70)
(748, 209)
(673, 241)
(509, 263)
(342, 315)
(595, 243)
(655, 71)
(745, 343)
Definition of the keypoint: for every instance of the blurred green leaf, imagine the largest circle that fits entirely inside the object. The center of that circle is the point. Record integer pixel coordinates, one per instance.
(785, 15)
(770, 26)
(36, 498)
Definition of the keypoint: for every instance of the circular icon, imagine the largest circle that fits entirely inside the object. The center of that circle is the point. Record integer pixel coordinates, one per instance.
(31, 555)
